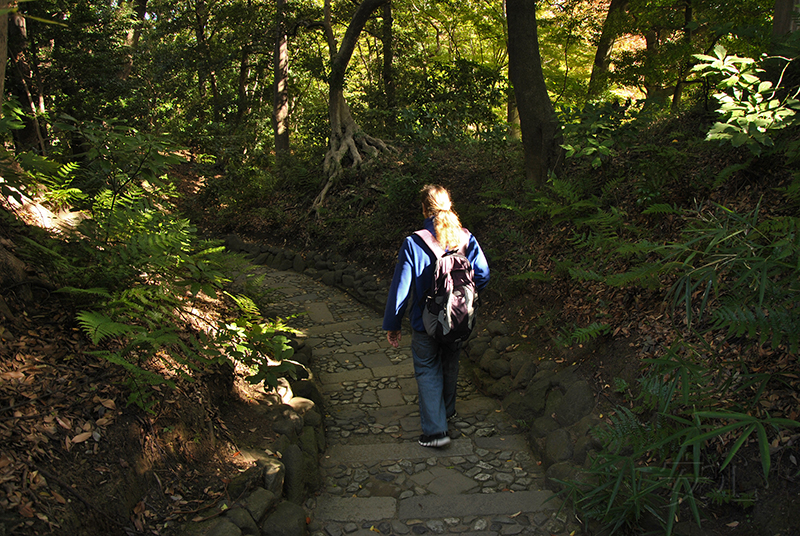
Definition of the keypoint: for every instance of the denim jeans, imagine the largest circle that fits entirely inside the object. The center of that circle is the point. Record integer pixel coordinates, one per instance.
(436, 370)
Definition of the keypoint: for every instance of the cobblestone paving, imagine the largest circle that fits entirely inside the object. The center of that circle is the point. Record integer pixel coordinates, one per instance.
(376, 478)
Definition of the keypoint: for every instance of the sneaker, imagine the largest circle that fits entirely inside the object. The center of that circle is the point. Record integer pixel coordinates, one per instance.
(453, 417)
(438, 440)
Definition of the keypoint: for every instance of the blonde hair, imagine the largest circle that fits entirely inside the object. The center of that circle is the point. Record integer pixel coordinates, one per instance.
(436, 204)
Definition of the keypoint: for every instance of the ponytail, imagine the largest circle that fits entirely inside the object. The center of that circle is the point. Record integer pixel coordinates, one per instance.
(436, 204)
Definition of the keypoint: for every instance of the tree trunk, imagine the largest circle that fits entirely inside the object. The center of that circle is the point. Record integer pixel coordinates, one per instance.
(28, 88)
(680, 84)
(241, 90)
(205, 72)
(346, 137)
(3, 51)
(512, 116)
(280, 109)
(132, 39)
(13, 276)
(782, 21)
(609, 34)
(540, 131)
(388, 56)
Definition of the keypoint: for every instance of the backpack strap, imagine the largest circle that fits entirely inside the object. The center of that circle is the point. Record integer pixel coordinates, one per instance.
(431, 242)
(434, 245)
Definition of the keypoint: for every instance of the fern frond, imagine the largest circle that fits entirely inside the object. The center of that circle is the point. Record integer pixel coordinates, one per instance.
(99, 326)
(584, 335)
(99, 292)
(644, 275)
(582, 274)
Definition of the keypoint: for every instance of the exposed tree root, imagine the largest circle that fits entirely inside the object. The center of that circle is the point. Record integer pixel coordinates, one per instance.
(347, 139)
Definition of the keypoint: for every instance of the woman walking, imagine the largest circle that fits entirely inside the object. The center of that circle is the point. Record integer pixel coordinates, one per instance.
(435, 364)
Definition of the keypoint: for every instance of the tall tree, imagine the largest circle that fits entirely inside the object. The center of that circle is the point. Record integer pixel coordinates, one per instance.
(132, 38)
(602, 58)
(4, 10)
(346, 138)
(538, 122)
(783, 19)
(280, 115)
(388, 55)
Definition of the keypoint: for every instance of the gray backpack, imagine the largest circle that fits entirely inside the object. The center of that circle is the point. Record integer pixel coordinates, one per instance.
(449, 311)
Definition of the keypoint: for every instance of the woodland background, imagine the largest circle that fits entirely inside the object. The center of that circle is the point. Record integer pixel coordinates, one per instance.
(629, 166)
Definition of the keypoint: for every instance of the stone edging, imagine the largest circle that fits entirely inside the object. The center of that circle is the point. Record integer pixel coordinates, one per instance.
(557, 405)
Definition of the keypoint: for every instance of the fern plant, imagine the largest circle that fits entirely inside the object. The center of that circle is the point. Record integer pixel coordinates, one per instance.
(263, 346)
(741, 270)
(658, 460)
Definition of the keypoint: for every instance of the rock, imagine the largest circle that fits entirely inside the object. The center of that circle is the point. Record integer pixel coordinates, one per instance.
(277, 260)
(242, 519)
(329, 278)
(348, 280)
(225, 527)
(495, 327)
(288, 519)
(476, 350)
(302, 473)
(543, 425)
(295, 481)
(535, 396)
(301, 405)
(585, 425)
(502, 387)
(500, 343)
(274, 474)
(308, 389)
(288, 422)
(566, 377)
(299, 263)
(559, 471)
(523, 377)
(512, 404)
(499, 368)
(259, 502)
(517, 359)
(312, 418)
(577, 402)
(489, 356)
(582, 447)
(558, 447)
(234, 243)
(244, 482)
(554, 398)
(308, 442)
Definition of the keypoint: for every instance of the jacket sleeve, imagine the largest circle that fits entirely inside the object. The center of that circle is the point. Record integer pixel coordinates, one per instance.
(480, 265)
(400, 291)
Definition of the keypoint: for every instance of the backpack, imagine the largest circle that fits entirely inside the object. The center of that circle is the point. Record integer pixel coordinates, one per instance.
(449, 310)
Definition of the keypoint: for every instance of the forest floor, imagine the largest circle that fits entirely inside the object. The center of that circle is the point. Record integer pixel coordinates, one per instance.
(76, 459)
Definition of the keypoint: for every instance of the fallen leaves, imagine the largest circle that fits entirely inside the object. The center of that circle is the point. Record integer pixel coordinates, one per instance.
(47, 409)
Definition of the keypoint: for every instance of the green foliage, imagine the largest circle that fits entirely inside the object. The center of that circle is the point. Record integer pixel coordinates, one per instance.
(583, 335)
(657, 468)
(741, 270)
(753, 109)
(263, 346)
(450, 101)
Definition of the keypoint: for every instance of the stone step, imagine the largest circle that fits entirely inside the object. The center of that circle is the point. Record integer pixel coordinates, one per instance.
(361, 509)
(407, 450)
(369, 449)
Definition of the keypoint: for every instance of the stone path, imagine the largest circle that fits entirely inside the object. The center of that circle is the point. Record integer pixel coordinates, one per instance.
(376, 478)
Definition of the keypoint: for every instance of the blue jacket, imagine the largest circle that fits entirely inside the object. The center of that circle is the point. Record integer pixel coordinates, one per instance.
(413, 274)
